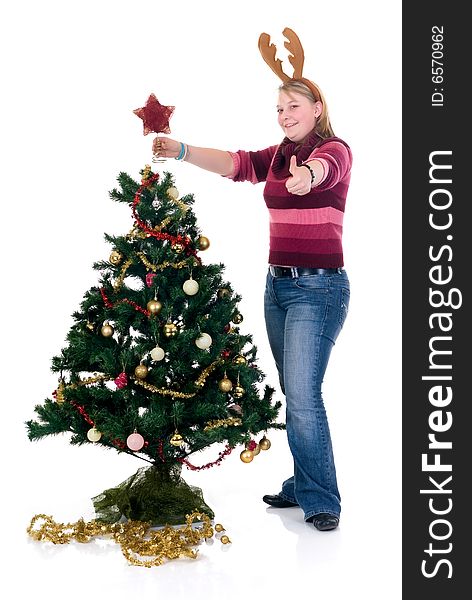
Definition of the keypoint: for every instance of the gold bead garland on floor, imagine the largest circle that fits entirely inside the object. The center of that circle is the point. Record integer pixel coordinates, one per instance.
(136, 538)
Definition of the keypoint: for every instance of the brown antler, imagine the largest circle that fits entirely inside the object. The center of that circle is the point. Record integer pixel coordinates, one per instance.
(268, 51)
(297, 56)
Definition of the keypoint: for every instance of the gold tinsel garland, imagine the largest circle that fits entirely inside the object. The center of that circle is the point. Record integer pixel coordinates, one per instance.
(149, 265)
(119, 281)
(222, 423)
(163, 391)
(152, 267)
(138, 233)
(59, 393)
(89, 381)
(200, 382)
(164, 223)
(136, 538)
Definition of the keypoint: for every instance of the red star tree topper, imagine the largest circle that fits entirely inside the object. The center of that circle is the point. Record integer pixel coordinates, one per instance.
(155, 116)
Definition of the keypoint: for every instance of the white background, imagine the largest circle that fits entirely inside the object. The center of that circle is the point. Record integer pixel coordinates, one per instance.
(72, 73)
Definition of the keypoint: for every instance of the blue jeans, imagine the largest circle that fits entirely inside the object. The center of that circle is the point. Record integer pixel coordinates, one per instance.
(304, 316)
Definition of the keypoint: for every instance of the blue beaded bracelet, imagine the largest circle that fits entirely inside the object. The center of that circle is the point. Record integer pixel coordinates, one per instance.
(182, 152)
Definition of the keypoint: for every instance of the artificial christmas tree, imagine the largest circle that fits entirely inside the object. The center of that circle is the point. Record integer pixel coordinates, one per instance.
(155, 363)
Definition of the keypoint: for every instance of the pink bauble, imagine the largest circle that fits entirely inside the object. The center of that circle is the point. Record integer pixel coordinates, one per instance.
(135, 442)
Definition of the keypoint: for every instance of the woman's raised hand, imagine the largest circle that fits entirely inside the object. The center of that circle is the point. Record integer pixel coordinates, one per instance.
(164, 147)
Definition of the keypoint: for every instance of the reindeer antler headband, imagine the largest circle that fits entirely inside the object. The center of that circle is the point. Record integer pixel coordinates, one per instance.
(296, 58)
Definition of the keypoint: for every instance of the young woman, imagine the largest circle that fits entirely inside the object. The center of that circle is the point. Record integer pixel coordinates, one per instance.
(307, 290)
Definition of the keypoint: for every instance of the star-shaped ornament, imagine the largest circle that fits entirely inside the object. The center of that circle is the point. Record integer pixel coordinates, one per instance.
(155, 116)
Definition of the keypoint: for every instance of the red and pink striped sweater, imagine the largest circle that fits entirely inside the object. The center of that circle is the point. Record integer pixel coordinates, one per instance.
(305, 231)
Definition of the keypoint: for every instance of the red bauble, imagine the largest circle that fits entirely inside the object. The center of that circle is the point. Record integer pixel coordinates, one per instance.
(149, 278)
(121, 381)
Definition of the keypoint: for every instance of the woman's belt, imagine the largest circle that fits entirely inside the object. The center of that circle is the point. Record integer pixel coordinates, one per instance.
(276, 271)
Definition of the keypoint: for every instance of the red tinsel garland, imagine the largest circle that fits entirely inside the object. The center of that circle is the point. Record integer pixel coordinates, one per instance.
(185, 241)
(116, 442)
(184, 461)
(221, 456)
(110, 304)
(81, 410)
(160, 451)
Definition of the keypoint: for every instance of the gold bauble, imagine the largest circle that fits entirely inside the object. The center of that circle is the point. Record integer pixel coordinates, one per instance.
(115, 257)
(178, 247)
(173, 192)
(256, 450)
(225, 385)
(237, 318)
(225, 539)
(219, 527)
(239, 360)
(264, 443)
(176, 440)
(141, 371)
(154, 307)
(203, 242)
(246, 456)
(107, 330)
(223, 293)
(238, 391)
(170, 330)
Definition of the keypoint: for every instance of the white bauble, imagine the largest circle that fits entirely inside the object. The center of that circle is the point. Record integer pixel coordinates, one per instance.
(173, 192)
(94, 435)
(157, 353)
(190, 287)
(204, 341)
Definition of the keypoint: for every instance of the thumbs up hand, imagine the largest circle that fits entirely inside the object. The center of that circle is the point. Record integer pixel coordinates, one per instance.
(300, 181)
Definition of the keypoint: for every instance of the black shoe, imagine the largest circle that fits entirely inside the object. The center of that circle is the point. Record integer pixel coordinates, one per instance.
(278, 502)
(325, 521)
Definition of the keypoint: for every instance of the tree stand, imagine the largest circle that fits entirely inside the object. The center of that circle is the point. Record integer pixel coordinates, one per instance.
(156, 494)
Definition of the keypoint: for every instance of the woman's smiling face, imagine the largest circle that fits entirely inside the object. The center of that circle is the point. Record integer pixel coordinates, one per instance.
(297, 115)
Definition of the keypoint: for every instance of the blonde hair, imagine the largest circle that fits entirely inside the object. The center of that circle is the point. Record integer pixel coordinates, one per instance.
(311, 91)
